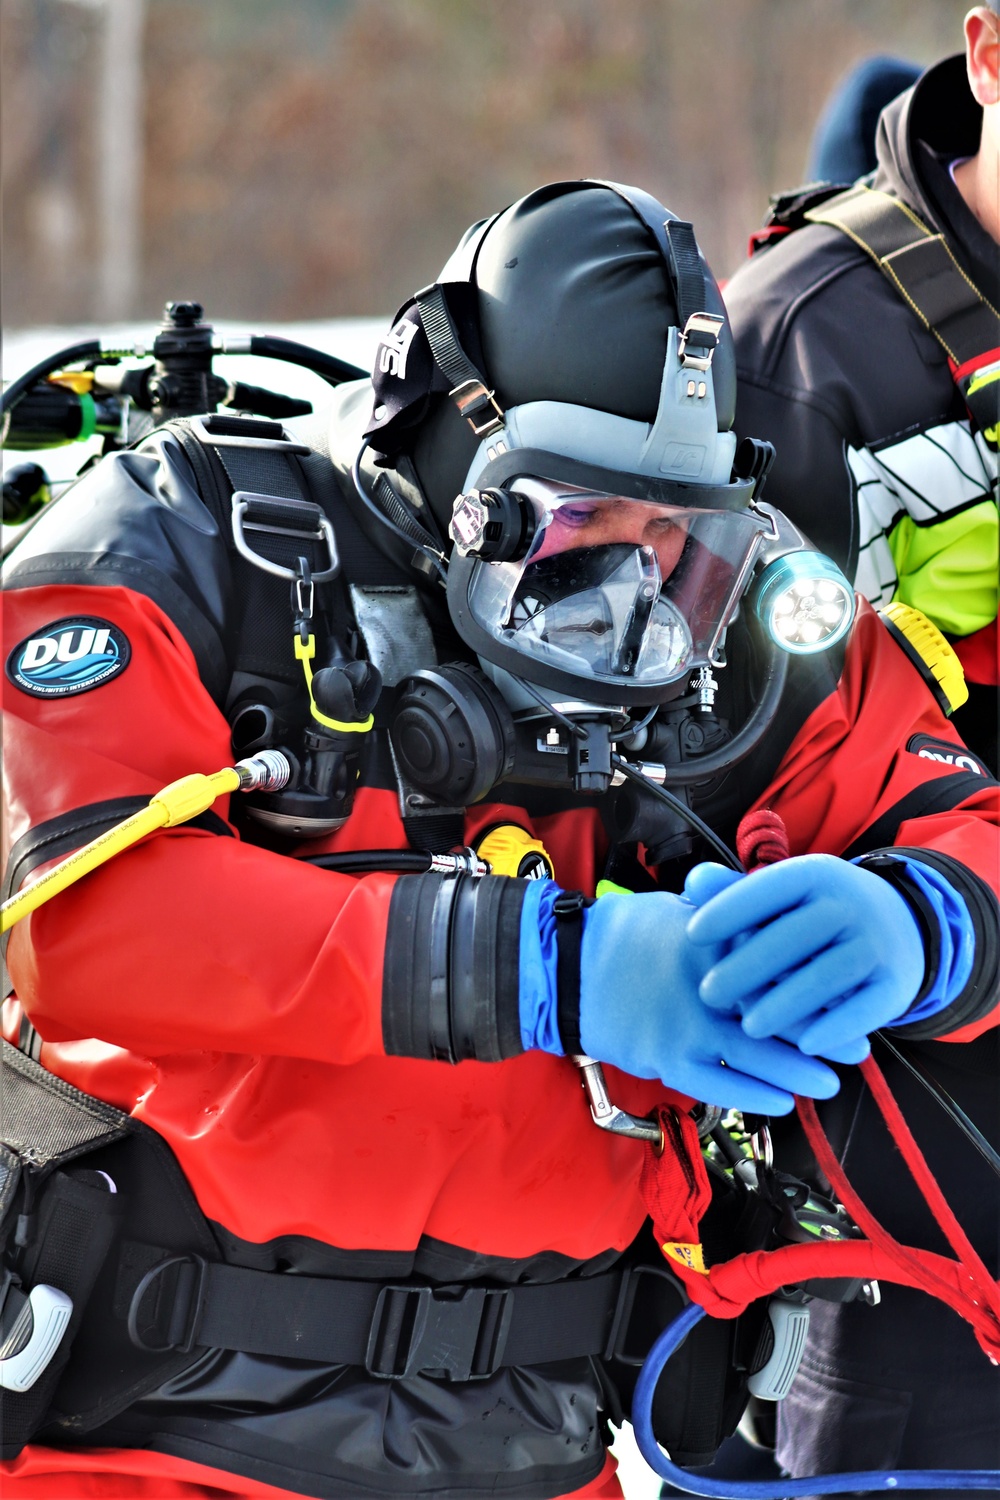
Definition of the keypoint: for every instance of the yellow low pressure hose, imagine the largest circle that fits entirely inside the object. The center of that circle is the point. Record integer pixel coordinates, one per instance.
(176, 803)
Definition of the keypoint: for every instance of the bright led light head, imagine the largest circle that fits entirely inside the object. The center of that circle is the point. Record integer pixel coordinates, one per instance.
(804, 602)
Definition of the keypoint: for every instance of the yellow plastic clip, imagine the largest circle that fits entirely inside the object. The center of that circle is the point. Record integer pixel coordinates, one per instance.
(80, 382)
(305, 651)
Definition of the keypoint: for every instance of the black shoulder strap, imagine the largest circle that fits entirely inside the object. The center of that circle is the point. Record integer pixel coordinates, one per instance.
(279, 520)
(919, 264)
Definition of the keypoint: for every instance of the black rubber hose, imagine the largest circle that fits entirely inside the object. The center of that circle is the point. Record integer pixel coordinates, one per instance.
(368, 861)
(335, 371)
(698, 824)
(728, 755)
(17, 388)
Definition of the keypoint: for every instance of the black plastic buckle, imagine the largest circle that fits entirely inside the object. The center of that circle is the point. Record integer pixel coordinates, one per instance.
(457, 1332)
(630, 1345)
(167, 1304)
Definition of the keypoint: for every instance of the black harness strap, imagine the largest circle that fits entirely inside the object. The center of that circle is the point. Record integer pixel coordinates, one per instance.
(258, 459)
(931, 797)
(464, 1332)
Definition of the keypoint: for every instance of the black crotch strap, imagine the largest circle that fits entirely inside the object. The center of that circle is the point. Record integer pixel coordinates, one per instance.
(459, 1332)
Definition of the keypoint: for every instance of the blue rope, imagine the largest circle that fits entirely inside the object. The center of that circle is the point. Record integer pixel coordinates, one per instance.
(881, 1480)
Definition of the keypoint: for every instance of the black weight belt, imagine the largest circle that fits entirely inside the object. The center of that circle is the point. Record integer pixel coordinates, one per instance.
(459, 1332)
(162, 1295)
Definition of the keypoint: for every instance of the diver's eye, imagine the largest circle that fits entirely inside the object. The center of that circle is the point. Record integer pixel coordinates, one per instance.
(575, 515)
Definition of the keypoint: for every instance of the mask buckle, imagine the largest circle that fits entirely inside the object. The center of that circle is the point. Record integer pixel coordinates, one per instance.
(699, 340)
(474, 401)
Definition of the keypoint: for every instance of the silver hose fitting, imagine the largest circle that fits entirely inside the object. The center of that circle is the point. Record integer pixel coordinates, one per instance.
(653, 770)
(464, 862)
(705, 685)
(267, 771)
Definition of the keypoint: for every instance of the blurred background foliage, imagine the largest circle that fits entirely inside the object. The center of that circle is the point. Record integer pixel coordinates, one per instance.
(319, 158)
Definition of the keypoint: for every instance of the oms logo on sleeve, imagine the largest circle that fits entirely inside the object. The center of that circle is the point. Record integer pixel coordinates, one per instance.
(948, 754)
(70, 656)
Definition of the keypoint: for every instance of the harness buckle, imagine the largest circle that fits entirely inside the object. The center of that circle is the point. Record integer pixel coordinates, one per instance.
(281, 517)
(459, 1332)
(630, 1338)
(202, 429)
(473, 401)
(171, 1309)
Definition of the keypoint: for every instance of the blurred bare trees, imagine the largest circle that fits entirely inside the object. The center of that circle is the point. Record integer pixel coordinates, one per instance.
(308, 158)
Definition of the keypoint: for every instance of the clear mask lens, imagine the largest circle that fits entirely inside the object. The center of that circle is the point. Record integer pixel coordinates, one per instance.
(617, 589)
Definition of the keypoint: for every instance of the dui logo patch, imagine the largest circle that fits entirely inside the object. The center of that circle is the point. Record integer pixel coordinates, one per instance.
(945, 753)
(69, 656)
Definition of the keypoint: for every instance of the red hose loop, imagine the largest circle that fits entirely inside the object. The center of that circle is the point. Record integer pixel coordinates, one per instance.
(762, 839)
(965, 1284)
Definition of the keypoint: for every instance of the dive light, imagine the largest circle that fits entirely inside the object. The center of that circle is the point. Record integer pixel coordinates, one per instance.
(804, 602)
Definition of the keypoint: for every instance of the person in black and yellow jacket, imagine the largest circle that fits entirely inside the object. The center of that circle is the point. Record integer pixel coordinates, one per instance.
(879, 384)
(868, 352)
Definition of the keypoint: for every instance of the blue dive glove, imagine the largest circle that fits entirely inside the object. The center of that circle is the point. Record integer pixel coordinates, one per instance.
(820, 950)
(640, 1008)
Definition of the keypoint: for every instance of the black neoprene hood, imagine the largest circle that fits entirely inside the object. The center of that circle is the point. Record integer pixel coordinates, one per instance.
(574, 303)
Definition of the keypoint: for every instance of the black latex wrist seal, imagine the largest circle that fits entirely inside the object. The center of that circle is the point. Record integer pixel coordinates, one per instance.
(979, 995)
(892, 869)
(568, 911)
(450, 980)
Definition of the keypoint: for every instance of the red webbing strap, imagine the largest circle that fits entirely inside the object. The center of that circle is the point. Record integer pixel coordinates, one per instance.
(726, 1290)
(924, 1177)
(980, 1292)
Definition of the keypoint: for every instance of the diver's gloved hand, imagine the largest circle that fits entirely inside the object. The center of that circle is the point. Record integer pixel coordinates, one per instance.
(708, 880)
(819, 950)
(640, 1008)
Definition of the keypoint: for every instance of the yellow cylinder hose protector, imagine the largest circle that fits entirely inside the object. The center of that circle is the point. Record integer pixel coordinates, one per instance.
(175, 804)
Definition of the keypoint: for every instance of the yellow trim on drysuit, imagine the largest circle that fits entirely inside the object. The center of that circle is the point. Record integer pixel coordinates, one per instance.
(939, 658)
(304, 652)
(175, 804)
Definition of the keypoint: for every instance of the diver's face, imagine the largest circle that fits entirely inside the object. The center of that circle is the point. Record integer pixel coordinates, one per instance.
(599, 523)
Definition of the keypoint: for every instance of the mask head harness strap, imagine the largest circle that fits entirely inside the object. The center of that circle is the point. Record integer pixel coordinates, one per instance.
(676, 243)
(432, 345)
(469, 392)
(431, 349)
